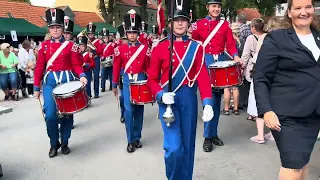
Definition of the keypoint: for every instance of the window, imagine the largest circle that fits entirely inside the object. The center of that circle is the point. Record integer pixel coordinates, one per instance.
(120, 15)
(152, 18)
(147, 16)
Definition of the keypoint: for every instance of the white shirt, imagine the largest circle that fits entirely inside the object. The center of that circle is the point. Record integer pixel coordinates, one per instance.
(309, 42)
(24, 57)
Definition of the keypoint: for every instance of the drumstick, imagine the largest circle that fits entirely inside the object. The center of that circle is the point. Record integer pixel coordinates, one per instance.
(118, 103)
(41, 109)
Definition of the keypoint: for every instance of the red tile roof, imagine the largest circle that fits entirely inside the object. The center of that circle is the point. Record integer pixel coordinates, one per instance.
(83, 18)
(250, 12)
(23, 10)
(151, 3)
(34, 14)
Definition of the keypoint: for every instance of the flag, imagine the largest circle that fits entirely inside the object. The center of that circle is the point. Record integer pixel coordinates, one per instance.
(160, 17)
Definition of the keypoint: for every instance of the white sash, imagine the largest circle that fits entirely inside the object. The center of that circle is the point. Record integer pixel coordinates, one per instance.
(133, 58)
(84, 54)
(95, 41)
(105, 49)
(55, 55)
(215, 30)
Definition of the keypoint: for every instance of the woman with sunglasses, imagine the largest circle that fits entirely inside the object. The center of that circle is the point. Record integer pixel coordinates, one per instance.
(57, 60)
(8, 64)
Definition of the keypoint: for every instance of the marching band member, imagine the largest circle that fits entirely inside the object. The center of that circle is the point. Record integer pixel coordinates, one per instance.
(91, 29)
(123, 39)
(179, 138)
(89, 63)
(134, 59)
(107, 60)
(216, 35)
(56, 60)
(143, 37)
(68, 28)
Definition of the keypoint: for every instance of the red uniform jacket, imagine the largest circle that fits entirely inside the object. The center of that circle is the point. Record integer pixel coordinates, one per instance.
(68, 59)
(123, 53)
(98, 44)
(221, 40)
(159, 67)
(89, 62)
(108, 49)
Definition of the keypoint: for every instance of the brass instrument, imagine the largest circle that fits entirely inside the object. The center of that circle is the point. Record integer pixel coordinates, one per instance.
(90, 44)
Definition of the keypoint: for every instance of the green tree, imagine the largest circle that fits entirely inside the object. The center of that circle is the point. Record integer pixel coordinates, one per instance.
(267, 7)
(143, 8)
(106, 8)
(26, 1)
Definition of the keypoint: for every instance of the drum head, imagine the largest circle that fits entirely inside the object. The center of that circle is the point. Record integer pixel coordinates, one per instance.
(67, 87)
(139, 82)
(223, 64)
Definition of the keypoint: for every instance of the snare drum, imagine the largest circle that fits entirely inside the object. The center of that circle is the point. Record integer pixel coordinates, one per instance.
(140, 93)
(225, 74)
(70, 97)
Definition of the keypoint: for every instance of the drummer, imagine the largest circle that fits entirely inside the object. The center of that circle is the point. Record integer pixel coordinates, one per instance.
(134, 70)
(68, 28)
(214, 44)
(57, 59)
(89, 62)
(106, 60)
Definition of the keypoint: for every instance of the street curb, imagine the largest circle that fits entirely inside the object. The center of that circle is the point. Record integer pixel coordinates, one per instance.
(5, 110)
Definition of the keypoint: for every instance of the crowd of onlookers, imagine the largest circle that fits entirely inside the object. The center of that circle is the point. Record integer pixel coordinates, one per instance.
(16, 69)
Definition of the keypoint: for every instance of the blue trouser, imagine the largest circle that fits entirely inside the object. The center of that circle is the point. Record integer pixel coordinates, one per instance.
(121, 103)
(106, 73)
(211, 127)
(13, 77)
(50, 111)
(133, 114)
(180, 137)
(88, 85)
(96, 75)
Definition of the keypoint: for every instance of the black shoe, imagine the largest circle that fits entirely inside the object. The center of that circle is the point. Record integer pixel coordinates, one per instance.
(217, 141)
(138, 144)
(72, 127)
(96, 97)
(6, 98)
(65, 149)
(1, 174)
(130, 148)
(54, 151)
(207, 145)
(24, 93)
(103, 90)
(122, 119)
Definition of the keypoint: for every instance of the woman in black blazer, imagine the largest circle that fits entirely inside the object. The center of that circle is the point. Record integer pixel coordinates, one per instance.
(287, 87)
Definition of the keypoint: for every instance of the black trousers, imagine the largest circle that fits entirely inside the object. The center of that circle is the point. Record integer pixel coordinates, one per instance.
(23, 79)
(30, 89)
(244, 93)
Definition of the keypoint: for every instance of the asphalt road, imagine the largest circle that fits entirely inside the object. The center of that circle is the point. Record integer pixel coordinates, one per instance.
(98, 146)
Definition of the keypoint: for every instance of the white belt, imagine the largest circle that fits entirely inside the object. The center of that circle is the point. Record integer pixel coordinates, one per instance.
(58, 81)
(133, 77)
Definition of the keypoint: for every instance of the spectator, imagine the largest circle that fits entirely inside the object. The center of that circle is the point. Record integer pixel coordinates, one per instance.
(245, 31)
(25, 55)
(235, 90)
(257, 26)
(32, 43)
(8, 64)
(30, 76)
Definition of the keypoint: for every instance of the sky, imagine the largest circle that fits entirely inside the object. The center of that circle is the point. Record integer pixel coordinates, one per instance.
(46, 3)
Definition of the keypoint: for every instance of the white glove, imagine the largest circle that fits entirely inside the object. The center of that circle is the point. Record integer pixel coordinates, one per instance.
(168, 98)
(207, 113)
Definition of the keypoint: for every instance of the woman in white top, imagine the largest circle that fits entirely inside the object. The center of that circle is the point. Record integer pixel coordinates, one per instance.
(273, 24)
(25, 55)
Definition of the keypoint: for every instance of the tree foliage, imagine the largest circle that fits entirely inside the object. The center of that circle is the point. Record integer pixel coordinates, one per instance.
(106, 8)
(143, 8)
(26, 1)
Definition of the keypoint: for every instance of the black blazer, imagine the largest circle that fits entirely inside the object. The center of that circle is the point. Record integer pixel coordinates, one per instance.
(287, 76)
